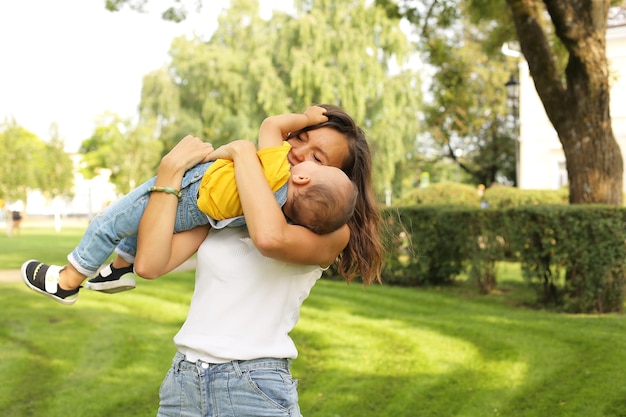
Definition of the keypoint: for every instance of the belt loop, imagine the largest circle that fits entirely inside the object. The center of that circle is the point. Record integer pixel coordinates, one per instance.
(237, 369)
(202, 365)
(178, 359)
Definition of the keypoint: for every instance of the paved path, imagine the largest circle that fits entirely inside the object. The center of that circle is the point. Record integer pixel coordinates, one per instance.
(13, 275)
(9, 275)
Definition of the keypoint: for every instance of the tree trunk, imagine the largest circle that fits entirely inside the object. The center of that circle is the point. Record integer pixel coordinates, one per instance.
(576, 102)
(593, 160)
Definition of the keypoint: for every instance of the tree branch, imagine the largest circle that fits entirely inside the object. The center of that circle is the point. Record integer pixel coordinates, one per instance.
(536, 49)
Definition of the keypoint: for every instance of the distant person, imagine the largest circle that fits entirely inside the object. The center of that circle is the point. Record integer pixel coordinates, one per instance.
(318, 197)
(16, 219)
(481, 193)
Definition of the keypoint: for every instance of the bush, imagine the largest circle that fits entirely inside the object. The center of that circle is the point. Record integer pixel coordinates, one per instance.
(442, 193)
(575, 255)
(497, 196)
(431, 244)
(501, 196)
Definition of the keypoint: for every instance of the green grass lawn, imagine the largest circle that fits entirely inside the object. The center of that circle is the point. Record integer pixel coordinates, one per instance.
(380, 351)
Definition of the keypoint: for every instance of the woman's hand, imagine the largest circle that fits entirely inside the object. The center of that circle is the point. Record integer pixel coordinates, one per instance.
(187, 153)
(159, 250)
(233, 150)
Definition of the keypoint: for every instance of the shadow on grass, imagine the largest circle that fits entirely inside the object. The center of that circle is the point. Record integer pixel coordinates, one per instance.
(99, 357)
(440, 355)
(374, 352)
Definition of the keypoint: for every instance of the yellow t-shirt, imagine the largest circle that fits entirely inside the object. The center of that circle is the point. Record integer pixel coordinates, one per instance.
(218, 196)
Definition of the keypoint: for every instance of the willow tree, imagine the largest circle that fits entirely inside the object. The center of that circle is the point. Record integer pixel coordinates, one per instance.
(29, 163)
(348, 53)
(564, 43)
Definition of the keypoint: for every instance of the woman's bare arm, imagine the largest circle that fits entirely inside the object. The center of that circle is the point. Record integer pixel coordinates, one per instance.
(159, 250)
(268, 228)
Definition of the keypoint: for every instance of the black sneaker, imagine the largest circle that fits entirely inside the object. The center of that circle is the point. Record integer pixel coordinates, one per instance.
(112, 280)
(44, 279)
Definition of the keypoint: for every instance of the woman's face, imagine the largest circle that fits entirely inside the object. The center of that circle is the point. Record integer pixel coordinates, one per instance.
(324, 146)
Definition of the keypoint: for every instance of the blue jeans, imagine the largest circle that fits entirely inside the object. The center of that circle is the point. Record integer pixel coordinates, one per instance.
(117, 225)
(254, 388)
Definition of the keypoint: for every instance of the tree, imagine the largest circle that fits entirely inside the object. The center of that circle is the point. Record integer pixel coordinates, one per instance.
(575, 94)
(332, 51)
(175, 13)
(130, 152)
(30, 163)
(577, 98)
(54, 168)
(466, 116)
(17, 145)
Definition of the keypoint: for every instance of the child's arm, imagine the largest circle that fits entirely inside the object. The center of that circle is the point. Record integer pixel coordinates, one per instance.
(274, 129)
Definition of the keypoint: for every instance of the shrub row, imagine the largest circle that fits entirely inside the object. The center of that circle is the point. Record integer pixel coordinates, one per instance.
(497, 196)
(575, 255)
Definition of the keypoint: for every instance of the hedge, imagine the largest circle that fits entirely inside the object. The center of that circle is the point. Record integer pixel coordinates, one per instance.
(575, 255)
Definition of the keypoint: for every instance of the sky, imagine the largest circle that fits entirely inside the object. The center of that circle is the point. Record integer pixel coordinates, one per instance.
(68, 61)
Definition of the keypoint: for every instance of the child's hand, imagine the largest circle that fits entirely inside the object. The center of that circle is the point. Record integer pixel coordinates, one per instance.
(315, 114)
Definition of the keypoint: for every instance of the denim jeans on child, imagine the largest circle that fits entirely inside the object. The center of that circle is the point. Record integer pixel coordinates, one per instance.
(115, 228)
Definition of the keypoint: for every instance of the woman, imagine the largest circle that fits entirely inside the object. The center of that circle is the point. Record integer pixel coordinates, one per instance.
(234, 347)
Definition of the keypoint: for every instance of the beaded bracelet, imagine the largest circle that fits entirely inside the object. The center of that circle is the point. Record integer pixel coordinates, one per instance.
(168, 190)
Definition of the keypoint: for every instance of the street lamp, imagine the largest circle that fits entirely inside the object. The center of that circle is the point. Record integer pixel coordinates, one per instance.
(512, 95)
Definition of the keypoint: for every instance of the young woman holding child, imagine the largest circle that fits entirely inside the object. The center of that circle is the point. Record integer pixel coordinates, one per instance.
(234, 350)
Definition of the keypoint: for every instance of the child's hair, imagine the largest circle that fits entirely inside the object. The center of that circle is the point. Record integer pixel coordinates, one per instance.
(323, 209)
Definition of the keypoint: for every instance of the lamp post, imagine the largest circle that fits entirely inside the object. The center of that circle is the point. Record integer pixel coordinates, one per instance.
(512, 95)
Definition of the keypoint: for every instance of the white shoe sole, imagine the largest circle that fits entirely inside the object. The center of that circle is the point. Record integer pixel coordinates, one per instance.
(111, 287)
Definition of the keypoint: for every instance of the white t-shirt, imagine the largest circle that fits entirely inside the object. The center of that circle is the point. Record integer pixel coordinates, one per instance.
(244, 304)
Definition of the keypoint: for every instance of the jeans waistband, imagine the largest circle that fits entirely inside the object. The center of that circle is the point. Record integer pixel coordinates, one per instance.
(181, 361)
